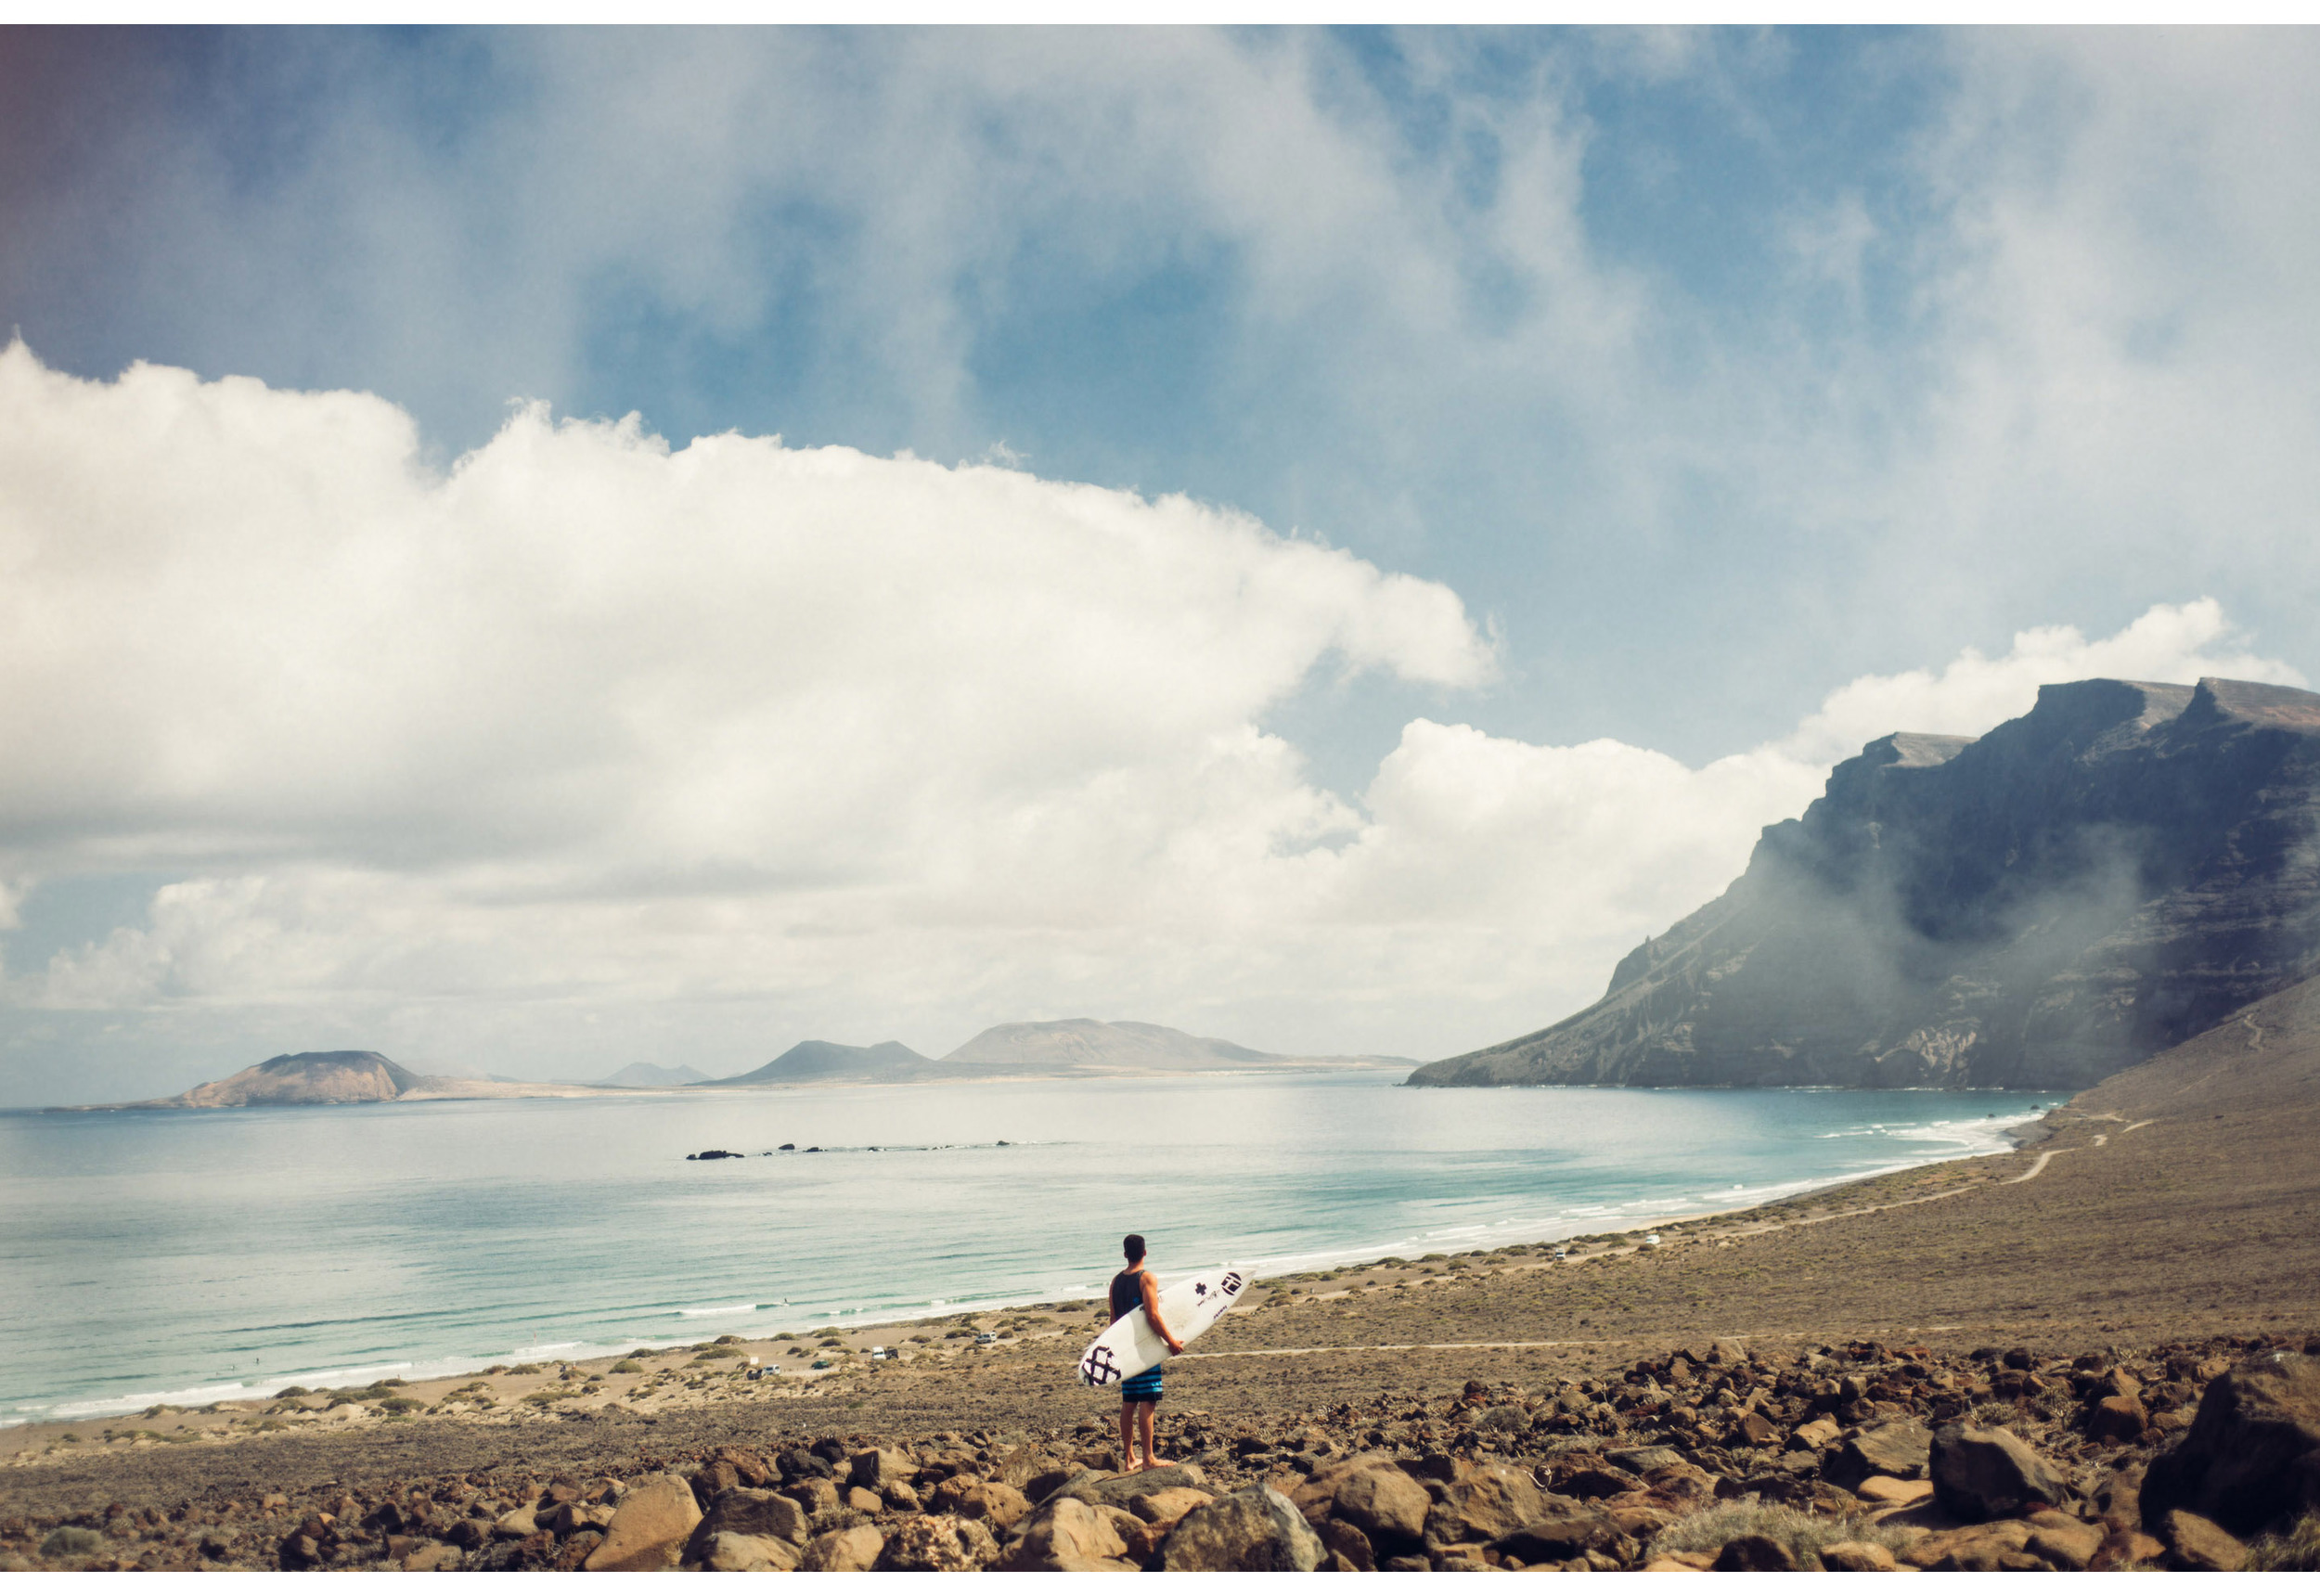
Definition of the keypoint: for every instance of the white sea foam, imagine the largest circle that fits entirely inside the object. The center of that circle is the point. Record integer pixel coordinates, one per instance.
(718, 1312)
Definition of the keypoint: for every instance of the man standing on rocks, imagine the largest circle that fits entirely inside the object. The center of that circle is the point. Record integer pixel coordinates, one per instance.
(1132, 1288)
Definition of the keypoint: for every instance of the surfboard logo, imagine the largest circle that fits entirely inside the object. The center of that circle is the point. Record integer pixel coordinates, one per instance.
(1099, 1367)
(1230, 1284)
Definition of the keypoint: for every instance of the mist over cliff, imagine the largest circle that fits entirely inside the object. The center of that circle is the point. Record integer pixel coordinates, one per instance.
(2038, 908)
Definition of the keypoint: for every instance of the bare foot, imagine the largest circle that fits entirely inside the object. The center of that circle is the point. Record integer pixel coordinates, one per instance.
(1151, 1463)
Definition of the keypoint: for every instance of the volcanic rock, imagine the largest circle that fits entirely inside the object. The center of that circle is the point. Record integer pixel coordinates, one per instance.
(656, 1517)
(754, 1513)
(2251, 1457)
(1897, 1450)
(1257, 1530)
(851, 1550)
(1484, 1501)
(727, 1553)
(930, 1543)
(1857, 1557)
(1983, 1474)
(1067, 1536)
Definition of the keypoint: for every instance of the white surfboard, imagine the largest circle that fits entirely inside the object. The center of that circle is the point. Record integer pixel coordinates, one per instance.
(1188, 1307)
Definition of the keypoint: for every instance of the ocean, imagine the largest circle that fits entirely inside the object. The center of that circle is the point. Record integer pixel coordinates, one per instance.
(157, 1255)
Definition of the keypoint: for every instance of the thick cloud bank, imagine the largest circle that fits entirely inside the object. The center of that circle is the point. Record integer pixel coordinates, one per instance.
(592, 748)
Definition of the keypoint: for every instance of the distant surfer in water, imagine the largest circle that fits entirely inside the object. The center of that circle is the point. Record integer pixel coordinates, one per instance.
(1140, 1398)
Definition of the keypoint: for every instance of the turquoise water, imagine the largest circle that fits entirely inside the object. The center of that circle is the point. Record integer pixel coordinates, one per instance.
(188, 1257)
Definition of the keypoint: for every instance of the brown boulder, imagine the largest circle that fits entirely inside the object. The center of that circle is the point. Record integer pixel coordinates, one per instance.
(997, 1504)
(928, 1543)
(1346, 1544)
(1885, 1491)
(2119, 1498)
(744, 1512)
(817, 1495)
(1818, 1435)
(1991, 1473)
(1755, 1554)
(852, 1550)
(1977, 1549)
(1164, 1507)
(2062, 1541)
(2124, 1548)
(2202, 1543)
(1898, 1449)
(1483, 1502)
(2251, 1458)
(1590, 1484)
(1372, 1494)
(1857, 1557)
(879, 1467)
(1566, 1529)
(725, 1553)
(656, 1517)
(1116, 1490)
(2117, 1419)
(1067, 1536)
(1257, 1530)
(1023, 1465)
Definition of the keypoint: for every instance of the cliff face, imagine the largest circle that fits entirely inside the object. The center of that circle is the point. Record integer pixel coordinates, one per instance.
(2037, 907)
(307, 1079)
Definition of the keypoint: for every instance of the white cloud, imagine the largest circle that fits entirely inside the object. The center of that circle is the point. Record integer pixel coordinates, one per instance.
(734, 743)
(2167, 643)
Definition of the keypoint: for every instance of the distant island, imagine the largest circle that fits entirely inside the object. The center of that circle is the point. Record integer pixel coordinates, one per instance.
(348, 1077)
(1026, 1050)
(652, 1075)
(2039, 907)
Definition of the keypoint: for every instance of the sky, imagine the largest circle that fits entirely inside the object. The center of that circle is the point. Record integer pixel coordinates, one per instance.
(533, 551)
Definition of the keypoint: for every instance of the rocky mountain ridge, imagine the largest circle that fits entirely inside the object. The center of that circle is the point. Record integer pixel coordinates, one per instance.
(2038, 908)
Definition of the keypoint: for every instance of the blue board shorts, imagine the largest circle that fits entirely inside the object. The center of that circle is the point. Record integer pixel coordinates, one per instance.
(1145, 1387)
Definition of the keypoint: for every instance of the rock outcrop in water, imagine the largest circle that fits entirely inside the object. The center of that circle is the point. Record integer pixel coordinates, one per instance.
(2038, 908)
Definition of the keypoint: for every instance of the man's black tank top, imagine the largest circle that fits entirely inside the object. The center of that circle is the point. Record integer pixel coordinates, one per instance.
(1128, 1292)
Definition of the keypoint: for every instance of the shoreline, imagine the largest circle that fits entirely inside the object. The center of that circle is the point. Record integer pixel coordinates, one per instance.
(99, 1412)
(1919, 1280)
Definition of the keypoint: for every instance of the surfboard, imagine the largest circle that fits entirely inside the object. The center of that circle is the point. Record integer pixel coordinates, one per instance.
(1130, 1345)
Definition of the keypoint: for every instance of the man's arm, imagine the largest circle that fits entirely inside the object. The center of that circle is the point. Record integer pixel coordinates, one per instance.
(1151, 1311)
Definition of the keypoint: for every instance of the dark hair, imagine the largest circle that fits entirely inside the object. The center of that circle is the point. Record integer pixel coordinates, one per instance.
(1133, 1246)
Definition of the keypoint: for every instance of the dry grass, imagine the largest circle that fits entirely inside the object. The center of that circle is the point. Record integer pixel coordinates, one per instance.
(2298, 1552)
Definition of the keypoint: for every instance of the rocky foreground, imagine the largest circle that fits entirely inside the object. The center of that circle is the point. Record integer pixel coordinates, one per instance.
(1859, 1458)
